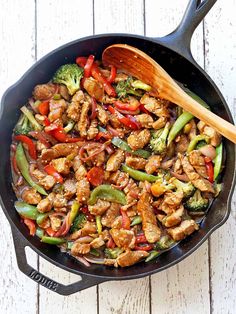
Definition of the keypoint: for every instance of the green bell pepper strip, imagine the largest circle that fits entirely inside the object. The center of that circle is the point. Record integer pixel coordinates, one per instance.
(136, 220)
(30, 116)
(26, 211)
(74, 211)
(108, 193)
(218, 160)
(41, 217)
(195, 140)
(39, 233)
(99, 224)
(23, 166)
(53, 240)
(185, 117)
(152, 255)
(94, 252)
(116, 141)
(139, 175)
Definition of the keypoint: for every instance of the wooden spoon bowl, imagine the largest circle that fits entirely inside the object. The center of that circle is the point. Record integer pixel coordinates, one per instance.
(138, 64)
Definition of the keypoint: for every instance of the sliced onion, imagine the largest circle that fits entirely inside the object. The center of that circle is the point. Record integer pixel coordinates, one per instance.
(49, 138)
(100, 147)
(182, 177)
(109, 149)
(208, 151)
(93, 109)
(65, 227)
(82, 260)
(32, 105)
(95, 260)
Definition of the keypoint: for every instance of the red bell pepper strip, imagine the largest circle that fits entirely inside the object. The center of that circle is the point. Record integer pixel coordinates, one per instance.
(140, 238)
(104, 135)
(97, 74)
(52, 172)
(88, 66)
(59, 134)
(95, 176)
(30, 144)
(43, 108)
(143, 109)
(209, 169)
(31, 225)
(94, 109)
(147, 247)
(126, 106)
(88, 215)
(50, 232)
(112, 76)
(110, 243)
(125, 220)
(128, 121)
(81, 61)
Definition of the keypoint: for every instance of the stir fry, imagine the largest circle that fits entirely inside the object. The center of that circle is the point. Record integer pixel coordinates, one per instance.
(109, 172)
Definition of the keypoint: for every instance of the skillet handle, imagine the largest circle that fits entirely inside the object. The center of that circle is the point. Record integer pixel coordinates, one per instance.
(84, 283)
(180, 39)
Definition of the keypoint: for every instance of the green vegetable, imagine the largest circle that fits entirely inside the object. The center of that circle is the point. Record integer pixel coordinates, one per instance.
(94, 252)
(74, 211)
(125, 88)
(107, 192)
(136, 220)
(200, 144)
(41, 217)
(164, 243)
(26, 210)
(186, 187)
(197, 203)
(137, 84)
(196, 140)
(78, 223)
(36, 126)
(158, 141)
(152, 255)
(139, 175)
(218, 160)
(23, 166)
(70, 244)
(39, 232)
(53, 240)
(113, 253)
(69, 126)
(56, 96)
(116, 141)
(218, 188)
(23, 126)
(99, 224)
(69, 75)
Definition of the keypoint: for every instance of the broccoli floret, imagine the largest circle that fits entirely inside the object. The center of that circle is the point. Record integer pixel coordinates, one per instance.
(23, 126)
(69, 75)
(186, 187)
(158, 141)
(197, 203)
(78, 223)
(164, 243)
(113, 253)
(131, 87)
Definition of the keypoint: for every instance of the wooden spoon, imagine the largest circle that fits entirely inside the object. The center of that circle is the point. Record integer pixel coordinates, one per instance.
(138, 64)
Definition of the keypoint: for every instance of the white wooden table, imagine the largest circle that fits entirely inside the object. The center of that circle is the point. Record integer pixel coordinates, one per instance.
(205, 282)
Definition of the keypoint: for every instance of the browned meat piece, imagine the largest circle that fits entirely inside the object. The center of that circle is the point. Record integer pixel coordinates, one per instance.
(132, 193)
(119, 178)
(83, 120)
(44, 91)
(38, 174)
(167, 164)
(74, 109)
(193, 129)
(181, 144)
(171, 201)
(60, 150)
(196, 159)
(94, 88)
(39, 118)
(76, 163)
(80, 173)
(40, 146)
(138, 139)
(114, 120)
(92, 130)
(88, 229)
(45, 224)
(215, 138)
(99, 208)
(149, 223)
(117, 223)
(203, 185)
(63, 91)
(45, 205)
(80, 248)
(55, 223)
(110, 262)
(115, 160)
(121, 77)
(59, 201)
(157, 106)
(110, 215)
(47, 182)
(130, 258)
(31, 196)
(135, 162)
(159, 123)
(153, 164)
(57, 108)
(173, 219)
(123, 238)
(105, 235)
(96, 243)
(145, 120)
(69, 188)
(178, 166)
(183, 230)
(97, 160)
(83, 191)
(102, 115)
(188, 168)
(62, 165)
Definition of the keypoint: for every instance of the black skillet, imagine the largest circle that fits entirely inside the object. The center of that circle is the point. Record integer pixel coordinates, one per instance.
(173, 54)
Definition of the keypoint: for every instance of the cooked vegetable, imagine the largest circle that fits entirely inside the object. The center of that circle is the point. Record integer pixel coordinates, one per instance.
(39, 232)
(197, 203)
(113, 253)
(99, 224)
(186, 187)
(53, 240)
(31, 146)
(139, 175)
(210, 169)
(158, 141)
(160, 187)
(26, 211)
(36, 126)
(69, 75)
(23, 126)
(218, 161)
(136, 220)
(78, 222)
(196, 140)
(41, 217)
(152, 255)
(179, 124)
(125, 147)
(108, 193)
(127, 120)
(164, 243)
(23, 165)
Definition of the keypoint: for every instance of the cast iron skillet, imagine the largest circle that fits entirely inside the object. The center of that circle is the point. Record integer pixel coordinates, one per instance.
(173, 54)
